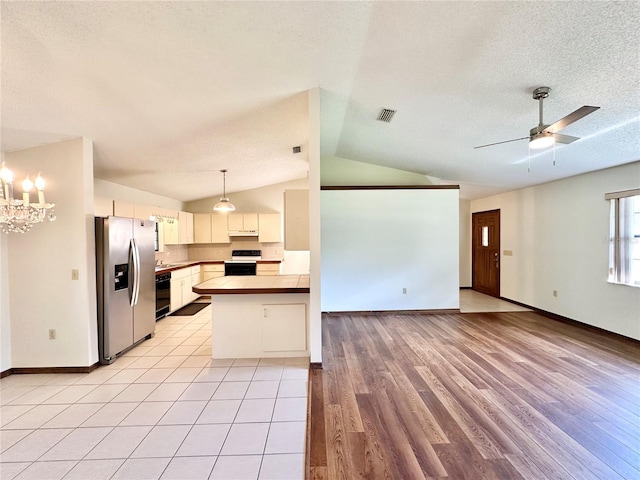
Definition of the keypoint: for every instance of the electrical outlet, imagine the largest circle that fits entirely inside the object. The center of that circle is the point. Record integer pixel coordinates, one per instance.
(52, 334)
(404, 291)
(75, 274)
(555, 293)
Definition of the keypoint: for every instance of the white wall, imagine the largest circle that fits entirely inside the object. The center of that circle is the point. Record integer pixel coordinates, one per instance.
(269, 199)
(42, 295)
(375, 243)
(558, 233)
(342, 171)
(114, 191)
(5, 319)
(465, 243)
(315, 313)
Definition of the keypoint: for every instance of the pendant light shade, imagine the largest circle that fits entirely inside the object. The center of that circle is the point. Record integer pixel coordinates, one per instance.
(224, 205)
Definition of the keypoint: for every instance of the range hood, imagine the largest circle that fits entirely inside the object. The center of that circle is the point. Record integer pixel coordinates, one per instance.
(243, 233)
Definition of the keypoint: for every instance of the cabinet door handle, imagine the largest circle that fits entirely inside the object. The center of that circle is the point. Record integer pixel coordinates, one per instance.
(265, 312)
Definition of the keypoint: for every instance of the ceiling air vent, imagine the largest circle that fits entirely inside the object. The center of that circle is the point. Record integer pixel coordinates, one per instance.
(386, 115)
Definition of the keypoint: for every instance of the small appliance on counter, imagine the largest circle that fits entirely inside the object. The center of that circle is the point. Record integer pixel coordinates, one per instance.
(243, 262)
(126, 287)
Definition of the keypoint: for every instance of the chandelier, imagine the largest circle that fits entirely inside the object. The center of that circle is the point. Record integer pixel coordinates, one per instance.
(20, 215)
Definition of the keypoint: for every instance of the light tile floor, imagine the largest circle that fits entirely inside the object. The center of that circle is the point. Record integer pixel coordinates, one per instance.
(476, 302)
(164, 410)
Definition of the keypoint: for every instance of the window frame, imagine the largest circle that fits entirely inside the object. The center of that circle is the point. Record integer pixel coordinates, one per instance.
(622, 237)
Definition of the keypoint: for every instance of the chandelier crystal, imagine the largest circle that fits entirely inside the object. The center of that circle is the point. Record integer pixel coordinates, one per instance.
(21, 215)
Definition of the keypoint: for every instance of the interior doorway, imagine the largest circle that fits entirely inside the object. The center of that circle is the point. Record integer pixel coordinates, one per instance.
(485, 252)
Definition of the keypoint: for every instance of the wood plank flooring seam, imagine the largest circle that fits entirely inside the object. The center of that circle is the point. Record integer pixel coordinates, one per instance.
(474, 396)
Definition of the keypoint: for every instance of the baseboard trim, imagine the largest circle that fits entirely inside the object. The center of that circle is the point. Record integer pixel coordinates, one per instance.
(33, 370)
(395, 312)
(466, 288)
(578, 323)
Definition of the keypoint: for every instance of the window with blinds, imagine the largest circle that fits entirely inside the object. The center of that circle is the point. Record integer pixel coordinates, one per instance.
(624, 237)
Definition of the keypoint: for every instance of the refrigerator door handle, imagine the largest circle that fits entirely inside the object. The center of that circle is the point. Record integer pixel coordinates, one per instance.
(136, 272)
(132, 274)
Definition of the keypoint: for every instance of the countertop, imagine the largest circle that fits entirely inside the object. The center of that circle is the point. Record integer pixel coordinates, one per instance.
(250, 284)
(190, 263)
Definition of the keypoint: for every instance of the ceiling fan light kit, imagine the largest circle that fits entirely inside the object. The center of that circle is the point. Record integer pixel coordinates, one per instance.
(544, 136)
(541, 140)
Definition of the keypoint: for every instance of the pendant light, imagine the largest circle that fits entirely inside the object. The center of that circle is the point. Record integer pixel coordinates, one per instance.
(224, 205)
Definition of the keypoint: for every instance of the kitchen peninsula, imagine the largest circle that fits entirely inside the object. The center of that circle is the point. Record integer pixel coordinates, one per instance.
(258, 316)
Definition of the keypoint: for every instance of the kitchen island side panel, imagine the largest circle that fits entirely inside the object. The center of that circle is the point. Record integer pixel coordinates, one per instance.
(242, 325)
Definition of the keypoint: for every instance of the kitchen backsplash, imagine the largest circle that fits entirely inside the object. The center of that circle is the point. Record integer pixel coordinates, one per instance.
(173, 253)
(182, 253)
(270, 251)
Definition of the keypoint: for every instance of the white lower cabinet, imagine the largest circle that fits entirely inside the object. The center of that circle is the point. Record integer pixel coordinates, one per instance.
(284, 328)
(196, 278)
(212, 271)
(181, 283)
(267, 269)
(176, 293)
(259, 325)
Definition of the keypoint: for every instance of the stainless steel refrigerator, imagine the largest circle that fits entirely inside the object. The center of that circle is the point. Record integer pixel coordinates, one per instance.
(125, 266)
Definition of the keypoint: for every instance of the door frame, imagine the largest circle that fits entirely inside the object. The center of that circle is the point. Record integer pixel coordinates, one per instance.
(473, 250)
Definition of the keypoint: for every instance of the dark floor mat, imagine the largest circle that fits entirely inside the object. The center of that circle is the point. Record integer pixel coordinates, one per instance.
(190, 309)
(202, 300)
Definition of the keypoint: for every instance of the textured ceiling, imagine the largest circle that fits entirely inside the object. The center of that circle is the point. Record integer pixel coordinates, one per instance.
(172, 92)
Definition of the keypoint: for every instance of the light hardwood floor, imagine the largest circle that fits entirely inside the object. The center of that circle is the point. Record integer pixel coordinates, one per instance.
(473, 396)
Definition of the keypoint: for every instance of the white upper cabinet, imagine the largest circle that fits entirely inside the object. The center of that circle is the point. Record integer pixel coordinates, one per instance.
(144, 211)
(270, 227)
(185, 226)
(201, 228)
(102, 207)
(243, 222)
(219, 230)
(210, 228)
(171, 232)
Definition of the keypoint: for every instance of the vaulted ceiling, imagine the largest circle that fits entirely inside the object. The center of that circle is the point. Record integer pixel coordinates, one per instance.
(172, 92)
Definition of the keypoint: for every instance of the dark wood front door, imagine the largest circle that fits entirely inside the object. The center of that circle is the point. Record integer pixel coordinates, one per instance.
(485, 257)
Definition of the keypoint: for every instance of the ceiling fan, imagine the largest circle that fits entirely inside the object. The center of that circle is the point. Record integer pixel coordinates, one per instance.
(546, 135)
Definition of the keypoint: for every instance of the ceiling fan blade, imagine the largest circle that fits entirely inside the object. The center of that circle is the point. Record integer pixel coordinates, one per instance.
(569, 119)
(498, 143)
(566, 139)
